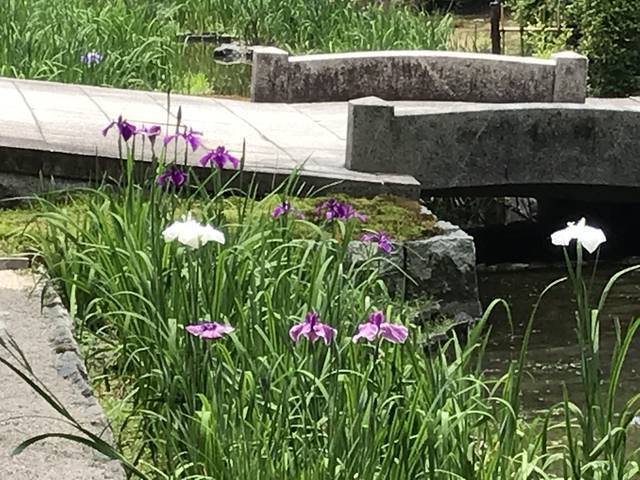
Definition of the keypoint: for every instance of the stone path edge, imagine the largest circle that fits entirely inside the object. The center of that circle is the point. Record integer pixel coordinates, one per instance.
(68, 361)
(75, 166)
(70, 365)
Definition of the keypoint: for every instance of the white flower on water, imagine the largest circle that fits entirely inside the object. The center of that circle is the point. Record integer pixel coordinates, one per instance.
(589, 237)
(191, 233)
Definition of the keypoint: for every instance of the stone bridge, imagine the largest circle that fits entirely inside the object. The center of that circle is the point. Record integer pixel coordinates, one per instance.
(525, 149)
(416, 75)
(470, 124)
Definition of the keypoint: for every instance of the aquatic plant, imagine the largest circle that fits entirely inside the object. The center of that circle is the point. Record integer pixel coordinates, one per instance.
(218, 158)
(125, 129)
(191, 233)
(312, 329)
(209, 330)
(173, 176)
(332, 209)
(91, 58)
(377, 328)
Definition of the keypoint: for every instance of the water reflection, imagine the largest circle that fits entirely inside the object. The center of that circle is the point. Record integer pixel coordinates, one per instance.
(200, 75)
(554, 358)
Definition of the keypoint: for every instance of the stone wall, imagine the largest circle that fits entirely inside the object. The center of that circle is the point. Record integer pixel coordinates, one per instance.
(416, 75)
(498, 145)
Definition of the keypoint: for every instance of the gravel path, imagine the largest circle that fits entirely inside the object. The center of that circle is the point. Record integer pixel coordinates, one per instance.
(44, 336)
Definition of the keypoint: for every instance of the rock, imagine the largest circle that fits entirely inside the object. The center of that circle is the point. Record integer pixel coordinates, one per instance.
(230, 53)
(442, 267)
(428, 314)
(445, 267)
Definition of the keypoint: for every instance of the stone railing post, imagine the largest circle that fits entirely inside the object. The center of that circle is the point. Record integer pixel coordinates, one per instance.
(571, 77)
(369, 136)
(269, 75)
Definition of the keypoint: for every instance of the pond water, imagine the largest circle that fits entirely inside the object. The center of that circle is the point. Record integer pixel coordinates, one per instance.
(201, 75)
(554, 358)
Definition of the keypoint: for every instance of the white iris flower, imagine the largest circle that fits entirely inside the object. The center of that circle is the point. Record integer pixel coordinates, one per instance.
(191, 233)
(589, 237)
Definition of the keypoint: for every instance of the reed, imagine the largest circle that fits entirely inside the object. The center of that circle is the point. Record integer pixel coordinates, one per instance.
(45, 39)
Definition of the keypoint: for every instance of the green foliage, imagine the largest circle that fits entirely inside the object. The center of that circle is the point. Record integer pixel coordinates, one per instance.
(13, 225)
(254, 404)
(44, 39)
(606, 31)
(596, 430)
(402, 219)
(610, 36)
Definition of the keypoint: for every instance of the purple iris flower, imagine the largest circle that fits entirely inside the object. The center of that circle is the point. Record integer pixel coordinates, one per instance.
(126, 129)
(282, 209)
(91, 58)
(172, 176)
(190, 137)
(334, 210)
(218, 158)
(377, 327)
(209, 330)
(312, 329)
(381, 238)
(150, 132)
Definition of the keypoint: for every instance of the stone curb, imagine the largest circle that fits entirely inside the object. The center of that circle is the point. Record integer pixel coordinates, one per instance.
(70, 366)
(15, 263)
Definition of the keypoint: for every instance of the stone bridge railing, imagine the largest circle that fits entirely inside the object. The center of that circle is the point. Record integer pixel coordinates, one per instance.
(416, 75)
(481, 146)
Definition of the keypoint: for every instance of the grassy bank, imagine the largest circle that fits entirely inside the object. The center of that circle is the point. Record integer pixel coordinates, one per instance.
(45, 39)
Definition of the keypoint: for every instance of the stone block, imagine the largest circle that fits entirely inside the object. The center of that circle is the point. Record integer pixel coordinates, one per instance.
(369, 118)
(269, 75)
(570, 84)
(15, 263)
(442, 267)
(445, 266)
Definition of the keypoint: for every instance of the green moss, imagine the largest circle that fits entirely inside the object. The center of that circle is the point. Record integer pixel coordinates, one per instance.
(401, 218)
(15, 223)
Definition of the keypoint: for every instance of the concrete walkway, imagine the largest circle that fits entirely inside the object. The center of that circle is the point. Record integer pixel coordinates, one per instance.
(23, 414)
(56, 127)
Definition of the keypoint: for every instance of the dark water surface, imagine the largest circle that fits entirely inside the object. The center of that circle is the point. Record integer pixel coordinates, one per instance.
(554, 358)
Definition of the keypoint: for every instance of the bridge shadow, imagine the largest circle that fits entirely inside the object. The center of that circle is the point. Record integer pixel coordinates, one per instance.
(613, 209)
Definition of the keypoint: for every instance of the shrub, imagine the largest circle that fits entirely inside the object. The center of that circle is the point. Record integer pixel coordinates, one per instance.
(610, 37)
(606, 31)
